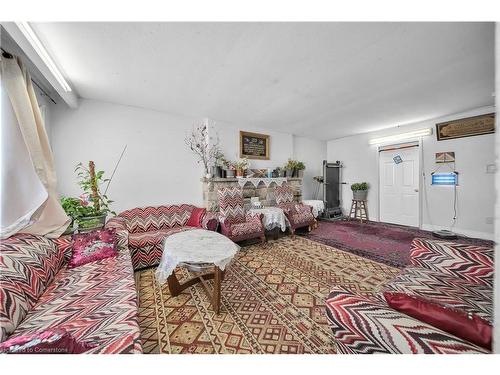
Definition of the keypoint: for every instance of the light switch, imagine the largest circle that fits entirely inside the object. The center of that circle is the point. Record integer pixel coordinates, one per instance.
(491, 168)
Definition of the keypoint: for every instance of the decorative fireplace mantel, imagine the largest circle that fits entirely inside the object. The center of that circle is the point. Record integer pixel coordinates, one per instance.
(252, 187)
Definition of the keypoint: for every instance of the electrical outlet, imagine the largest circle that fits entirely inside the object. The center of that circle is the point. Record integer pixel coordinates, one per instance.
(489, 220)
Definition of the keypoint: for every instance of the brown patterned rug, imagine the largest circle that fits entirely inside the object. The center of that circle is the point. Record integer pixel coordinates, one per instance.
(272, 301)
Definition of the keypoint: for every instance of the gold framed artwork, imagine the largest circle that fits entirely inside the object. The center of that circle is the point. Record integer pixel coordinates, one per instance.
(466, 127)
(254, 145)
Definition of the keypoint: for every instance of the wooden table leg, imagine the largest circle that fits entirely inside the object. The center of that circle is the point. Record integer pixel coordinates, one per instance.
(173, 285)
(218, 276)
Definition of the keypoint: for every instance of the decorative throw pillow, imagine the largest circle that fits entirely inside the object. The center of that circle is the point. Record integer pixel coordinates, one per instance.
(468, 327)
(50, 341)
(196, 217)
(92, 246)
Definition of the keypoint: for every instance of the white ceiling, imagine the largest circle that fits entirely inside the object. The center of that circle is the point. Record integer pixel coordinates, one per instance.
(322, 80)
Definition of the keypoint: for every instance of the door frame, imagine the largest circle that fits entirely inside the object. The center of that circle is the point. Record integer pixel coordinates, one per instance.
(420, 177)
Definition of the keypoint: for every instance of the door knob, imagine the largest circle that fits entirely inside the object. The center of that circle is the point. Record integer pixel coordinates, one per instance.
(416, 190)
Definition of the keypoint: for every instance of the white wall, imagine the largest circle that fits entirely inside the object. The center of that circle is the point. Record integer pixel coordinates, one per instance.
(157, 167)
(312, 152)
(476, 190)
(496, 297)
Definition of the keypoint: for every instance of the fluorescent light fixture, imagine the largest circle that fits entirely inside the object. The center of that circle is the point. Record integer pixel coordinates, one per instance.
(401, 136)
(42, 52)
(445, 179)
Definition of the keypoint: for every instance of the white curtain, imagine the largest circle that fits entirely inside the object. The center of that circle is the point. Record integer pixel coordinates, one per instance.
(30, 201)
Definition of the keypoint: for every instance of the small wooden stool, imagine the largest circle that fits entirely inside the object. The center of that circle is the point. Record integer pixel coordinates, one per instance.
(358, 206)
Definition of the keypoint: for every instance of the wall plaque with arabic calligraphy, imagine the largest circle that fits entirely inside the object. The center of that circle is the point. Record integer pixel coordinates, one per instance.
(466, 127)
(254, 145)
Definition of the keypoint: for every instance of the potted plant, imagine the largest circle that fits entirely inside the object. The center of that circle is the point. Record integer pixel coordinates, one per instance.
(290, 167)
(73, 209)
(299, 169)
(241, 166)
(359, 191)
(228, 168)
(94, 204)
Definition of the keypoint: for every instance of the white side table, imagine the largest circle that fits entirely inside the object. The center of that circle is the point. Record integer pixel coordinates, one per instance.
(272, 217)
(200, 249)
(317, 206)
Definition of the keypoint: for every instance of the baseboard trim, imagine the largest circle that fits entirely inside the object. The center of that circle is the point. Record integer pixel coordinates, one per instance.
(465, 232)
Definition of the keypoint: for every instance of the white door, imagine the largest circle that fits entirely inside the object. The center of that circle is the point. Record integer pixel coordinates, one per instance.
(399, 186)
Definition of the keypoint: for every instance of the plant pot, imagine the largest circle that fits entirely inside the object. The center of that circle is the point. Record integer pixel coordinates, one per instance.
(240, 173)
(360, 195)
(90, 223)
(229, 173)
(70, 229)
(281, 173)
(300, 173)
(289, 173)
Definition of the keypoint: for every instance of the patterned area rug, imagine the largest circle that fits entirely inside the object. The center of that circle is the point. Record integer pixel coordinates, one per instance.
(382, 242)
(272, 301)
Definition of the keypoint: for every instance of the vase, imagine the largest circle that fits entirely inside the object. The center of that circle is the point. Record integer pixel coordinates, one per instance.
(229, 173)
(240, 173)
(289, 173)
(90, 223)
(360, 195)
(300, 173)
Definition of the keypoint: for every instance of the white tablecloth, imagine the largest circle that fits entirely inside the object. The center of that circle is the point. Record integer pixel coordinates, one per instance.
(317, 206)
(196, 246)
(273, 217)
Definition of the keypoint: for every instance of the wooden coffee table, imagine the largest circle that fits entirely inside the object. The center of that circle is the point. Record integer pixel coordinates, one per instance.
(199, 250)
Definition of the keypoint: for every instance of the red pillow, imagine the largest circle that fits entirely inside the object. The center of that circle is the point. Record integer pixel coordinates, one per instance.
(196, 217)
(50, 341)
(471, 328)
(92, 246)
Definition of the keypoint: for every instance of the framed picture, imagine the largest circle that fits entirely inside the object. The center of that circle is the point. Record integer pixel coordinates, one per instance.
(466, 127)
(254, 145)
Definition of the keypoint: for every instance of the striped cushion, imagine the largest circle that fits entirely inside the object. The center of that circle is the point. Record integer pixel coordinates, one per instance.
(283, 195)
(361, 325)
(469, 262)
(145, 219)
(231, 205)
(28, 264)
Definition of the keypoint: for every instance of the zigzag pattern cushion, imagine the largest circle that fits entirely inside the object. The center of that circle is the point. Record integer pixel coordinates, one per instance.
(469, 262)
(28, 264)
(146, 219)
(147, 248)
(449, 291)
(283, 194)
(96, 303)
(363, 326)
(231, 205)
(246, 228)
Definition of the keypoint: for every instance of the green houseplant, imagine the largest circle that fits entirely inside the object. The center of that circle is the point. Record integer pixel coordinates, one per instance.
(94, 205)
(299, 169)
(360, 190)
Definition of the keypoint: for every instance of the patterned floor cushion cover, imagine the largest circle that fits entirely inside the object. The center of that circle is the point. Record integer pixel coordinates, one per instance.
(469, 262)
(96, 303)
(28, 264)
(361, 325)
(445, 290)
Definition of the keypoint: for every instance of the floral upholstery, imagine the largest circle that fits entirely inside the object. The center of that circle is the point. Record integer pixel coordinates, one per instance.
(235, 223)
(146, 227)
(299, 215)
(470, 262)
(96, 302)
(28, 264)
(448, 274)
(364, 326)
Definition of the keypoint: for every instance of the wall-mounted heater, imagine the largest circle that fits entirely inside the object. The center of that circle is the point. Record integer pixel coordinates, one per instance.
(450, 178)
